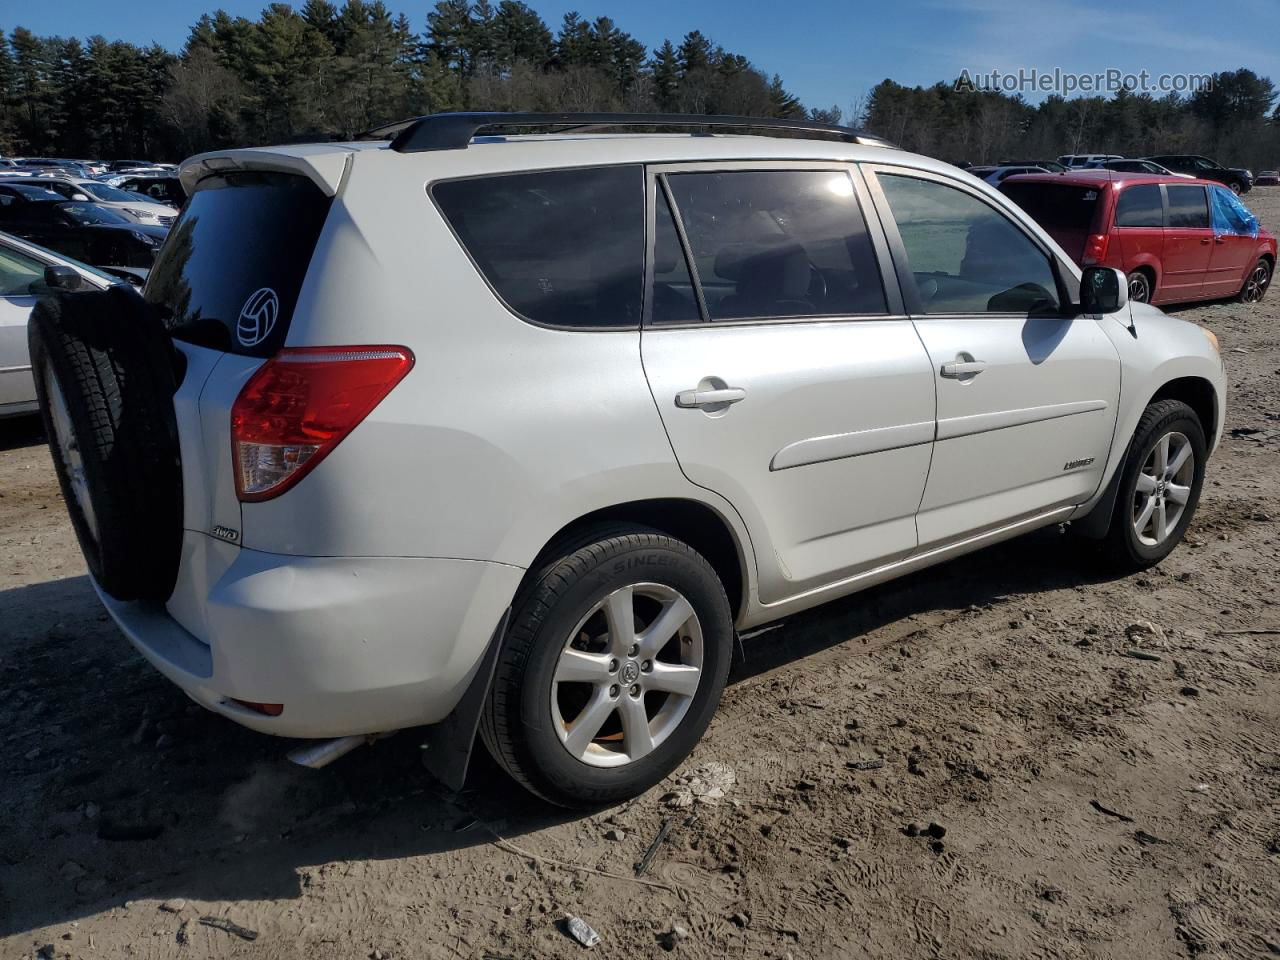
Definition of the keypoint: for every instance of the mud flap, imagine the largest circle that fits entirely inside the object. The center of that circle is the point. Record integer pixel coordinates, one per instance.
(447, 745)
(1097, 522)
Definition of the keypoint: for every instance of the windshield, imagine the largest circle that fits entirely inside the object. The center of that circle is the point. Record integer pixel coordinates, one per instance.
(100, 191)
(90, 213)
(32, 192)
(54, 257)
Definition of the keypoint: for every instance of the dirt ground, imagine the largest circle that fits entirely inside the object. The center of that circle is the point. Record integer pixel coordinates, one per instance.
(964, 763)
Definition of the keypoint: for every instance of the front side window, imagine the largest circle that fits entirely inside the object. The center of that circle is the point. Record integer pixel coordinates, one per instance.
(778, 243)
(561, 247)
(1188, 208)
(1140, 206)
(967, 257)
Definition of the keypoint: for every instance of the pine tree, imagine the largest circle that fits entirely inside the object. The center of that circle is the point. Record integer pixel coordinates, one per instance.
(519, 34)
(694, 53)
(573, 43)
(665, 68)
(783, 103)
(449, 30)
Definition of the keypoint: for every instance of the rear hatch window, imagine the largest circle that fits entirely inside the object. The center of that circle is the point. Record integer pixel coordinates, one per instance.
(1066, 211)
(230, 271)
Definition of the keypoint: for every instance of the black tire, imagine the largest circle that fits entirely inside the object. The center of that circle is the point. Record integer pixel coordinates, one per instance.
(1236, 187)
(1122, 550)
(1140, 281)
(111, 367)
(517, 724)
(1256, 283)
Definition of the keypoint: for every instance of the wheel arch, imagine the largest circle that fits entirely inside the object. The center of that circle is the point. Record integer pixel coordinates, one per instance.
(694, 522)
(1198, 394)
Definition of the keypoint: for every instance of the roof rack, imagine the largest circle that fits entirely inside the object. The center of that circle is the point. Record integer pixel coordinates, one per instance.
(454, 131)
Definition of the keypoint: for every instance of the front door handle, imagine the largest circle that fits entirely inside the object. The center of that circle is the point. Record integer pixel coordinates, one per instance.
(707, 398)
(961, 369)
(1204, 241)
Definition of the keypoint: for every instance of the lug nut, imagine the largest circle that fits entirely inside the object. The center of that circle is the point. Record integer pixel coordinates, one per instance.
(635, 690)
(613, 690)
(647, 666)
(635, 648)
(613, 666)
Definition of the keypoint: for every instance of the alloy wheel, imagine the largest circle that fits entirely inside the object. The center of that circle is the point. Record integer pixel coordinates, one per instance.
(627, 675)
(1163, 489)
(1256, 286)
(1139, 288)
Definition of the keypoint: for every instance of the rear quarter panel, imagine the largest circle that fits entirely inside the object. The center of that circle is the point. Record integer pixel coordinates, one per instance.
(503, 432)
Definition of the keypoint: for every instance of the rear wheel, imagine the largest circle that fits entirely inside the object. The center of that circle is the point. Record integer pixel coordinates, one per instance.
(611, 669)
(1256, 284)
(1160, 486)
(1139, 287)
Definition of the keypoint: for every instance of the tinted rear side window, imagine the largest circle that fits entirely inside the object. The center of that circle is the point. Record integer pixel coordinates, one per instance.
(1188, 207)
(1140, 206)
(1055, 206)
(563, 247)
(230, 271)
(779, 243)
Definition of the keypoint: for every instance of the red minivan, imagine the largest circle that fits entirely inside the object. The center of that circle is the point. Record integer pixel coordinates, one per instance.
(1177, 239)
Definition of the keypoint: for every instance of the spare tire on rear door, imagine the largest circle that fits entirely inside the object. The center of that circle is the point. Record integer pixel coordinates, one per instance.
(105, 373)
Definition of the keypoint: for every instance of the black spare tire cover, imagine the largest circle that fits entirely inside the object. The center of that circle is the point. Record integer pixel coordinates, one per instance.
(105, 373)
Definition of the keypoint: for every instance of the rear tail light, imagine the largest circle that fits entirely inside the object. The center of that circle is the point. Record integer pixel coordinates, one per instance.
(299, 405)
(1095, 248)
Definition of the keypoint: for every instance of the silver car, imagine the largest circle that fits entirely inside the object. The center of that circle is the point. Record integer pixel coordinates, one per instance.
(22, 267)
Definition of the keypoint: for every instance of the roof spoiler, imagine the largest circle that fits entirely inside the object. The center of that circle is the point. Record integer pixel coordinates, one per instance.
(454, 131)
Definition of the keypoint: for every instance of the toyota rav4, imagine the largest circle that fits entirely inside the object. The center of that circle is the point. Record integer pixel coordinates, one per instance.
(513, 433)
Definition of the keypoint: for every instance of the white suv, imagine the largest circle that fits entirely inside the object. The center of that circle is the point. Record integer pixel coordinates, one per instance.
(515, 432)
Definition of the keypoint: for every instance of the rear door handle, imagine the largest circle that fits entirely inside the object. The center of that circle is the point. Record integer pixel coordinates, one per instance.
(706, 398)
(1204, 241)
(963, 368)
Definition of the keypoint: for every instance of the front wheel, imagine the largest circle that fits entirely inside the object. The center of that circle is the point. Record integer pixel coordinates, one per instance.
(1160, 486)
(611, 669)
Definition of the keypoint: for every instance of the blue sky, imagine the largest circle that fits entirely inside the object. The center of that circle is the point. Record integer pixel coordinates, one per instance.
(831, 51)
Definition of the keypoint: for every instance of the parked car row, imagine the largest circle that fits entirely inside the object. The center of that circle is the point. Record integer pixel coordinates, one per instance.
(118, 233)
(1237, 179)
(1176, 239)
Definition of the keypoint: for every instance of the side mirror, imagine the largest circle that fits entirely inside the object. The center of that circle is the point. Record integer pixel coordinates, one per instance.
(80, 197)
(1103, 290)
(63, 278)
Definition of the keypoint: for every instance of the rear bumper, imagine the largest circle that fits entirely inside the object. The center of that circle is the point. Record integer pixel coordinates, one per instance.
(347, 645)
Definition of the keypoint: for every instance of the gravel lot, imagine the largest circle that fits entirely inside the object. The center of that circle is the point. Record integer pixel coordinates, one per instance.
(965, 763)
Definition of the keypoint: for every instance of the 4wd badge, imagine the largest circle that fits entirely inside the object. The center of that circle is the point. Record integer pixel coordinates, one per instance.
(257, 317)
(227, 534)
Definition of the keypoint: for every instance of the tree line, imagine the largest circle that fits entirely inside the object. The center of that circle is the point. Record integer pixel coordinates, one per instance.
(1233, 119)
(325, 70)
(328, 70)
